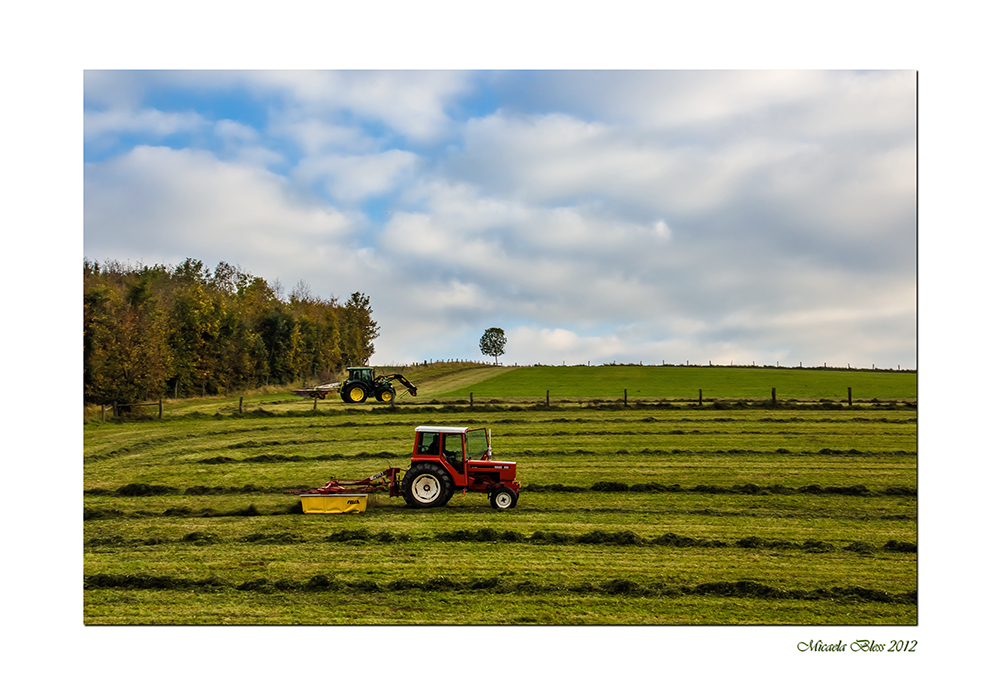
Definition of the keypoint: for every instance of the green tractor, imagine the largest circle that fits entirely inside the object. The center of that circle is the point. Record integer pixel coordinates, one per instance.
(362, 383)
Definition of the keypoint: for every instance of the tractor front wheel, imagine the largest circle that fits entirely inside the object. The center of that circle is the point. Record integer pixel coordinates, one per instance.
(426, 485)
(503, 498)
(386, 396)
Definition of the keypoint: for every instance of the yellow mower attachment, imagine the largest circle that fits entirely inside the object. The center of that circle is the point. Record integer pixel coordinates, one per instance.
(334, 503)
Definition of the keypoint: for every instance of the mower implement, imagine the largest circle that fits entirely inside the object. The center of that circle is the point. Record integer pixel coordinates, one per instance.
(317, 391)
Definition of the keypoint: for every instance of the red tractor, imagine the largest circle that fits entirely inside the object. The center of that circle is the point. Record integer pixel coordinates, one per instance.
(444, 460)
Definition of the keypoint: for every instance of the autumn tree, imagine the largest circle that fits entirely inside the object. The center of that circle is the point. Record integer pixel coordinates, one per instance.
(129, 357)
(187, 330)
(360, 330)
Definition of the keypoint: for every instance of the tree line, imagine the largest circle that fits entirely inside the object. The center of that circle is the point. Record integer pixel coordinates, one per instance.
(185, 330)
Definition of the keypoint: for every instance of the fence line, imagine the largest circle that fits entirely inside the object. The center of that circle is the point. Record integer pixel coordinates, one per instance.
(701, 399)
(116, 407)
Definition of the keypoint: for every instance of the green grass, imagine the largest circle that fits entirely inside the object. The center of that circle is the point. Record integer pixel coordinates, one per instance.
(420, 607)
(758, 515)
(684, 382)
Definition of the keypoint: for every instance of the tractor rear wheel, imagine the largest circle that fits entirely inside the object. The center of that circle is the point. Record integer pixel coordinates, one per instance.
(447, 497)
(356, 393)
(503, 498)
(426, 485)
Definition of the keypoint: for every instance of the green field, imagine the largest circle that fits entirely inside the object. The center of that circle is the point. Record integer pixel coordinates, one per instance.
(659, 512)
(683, 383)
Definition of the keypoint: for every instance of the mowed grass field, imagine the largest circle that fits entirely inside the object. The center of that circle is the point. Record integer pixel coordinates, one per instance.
(659, 512)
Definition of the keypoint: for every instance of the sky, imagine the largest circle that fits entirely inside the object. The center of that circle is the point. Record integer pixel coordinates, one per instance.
(596, 216)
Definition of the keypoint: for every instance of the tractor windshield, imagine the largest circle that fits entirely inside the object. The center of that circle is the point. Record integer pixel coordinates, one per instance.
(476, 444)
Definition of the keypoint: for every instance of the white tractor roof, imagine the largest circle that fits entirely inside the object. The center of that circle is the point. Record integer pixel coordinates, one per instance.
(444, 430)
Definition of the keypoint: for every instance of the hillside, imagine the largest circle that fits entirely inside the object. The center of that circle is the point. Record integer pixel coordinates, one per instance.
(685, 382)
(439, 379)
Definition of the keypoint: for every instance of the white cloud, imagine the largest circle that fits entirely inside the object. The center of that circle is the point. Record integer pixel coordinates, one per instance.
(557, 159)
(317, 135)
(149, 121)
(356, 177)
(163, 205)
(547, 265)
(241, 144)
(530, 345)
(411, 103)
(687, 143)
(232, 131)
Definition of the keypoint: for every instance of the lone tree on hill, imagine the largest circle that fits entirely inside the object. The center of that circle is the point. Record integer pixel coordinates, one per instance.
(492, 342)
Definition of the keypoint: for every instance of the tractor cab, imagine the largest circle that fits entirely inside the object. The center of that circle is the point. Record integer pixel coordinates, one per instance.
(451, 445)
(361, 373)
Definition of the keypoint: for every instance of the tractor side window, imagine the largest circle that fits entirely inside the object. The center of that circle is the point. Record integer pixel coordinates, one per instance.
(453, 451)
(429, 444)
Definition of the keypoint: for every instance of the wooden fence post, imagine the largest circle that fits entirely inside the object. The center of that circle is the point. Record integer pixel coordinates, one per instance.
(102, 412)
(849, 402)
(241, 404)
(699, 397)
(160, 416)
(626, 396)
(470, 400)
(315, 403)
(774, 396)
(546, 398)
